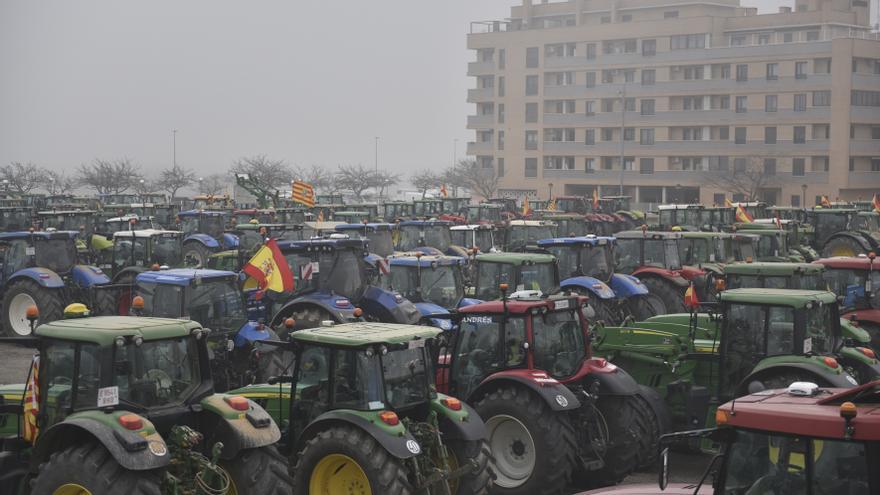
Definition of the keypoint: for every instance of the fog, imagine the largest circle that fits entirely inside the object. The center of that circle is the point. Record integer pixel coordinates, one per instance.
(310, 82)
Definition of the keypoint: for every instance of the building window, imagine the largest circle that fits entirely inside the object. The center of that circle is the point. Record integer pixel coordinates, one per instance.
(819, 164)
(787, 37)
(649, 47)
(800, 134)
(795, 200)
(646, 166)
(607, 162)
(590, 107)
(532, 57)
(821, 131)
(692, 103)
(724, 102)
(742, 72)
(769, 135)
(687, 41)
(875, 164)
(647, 107)
(738, 40)
(629, 75)
(772, 72)
(770, 103)
(591, 51)
(739, 135)
(769, 166)
(865, 98)
(724, 133)
(629, 104)
(800, 70)
(822, 66)
(531, 85)
(531, 113)
(798, 167)
(875, 133)
(629, 134)
(501, 88)
(501, 113)
(821, 98)
(589, 165)
(559, 162)
(531, 167)
(502, 59)
(693, 72)
(764, 39)
(608, 104)
(590, 138)
(852, 164)
(626, 18)
(617, 47)
(739, 165)
(812, 35)
(800, 102)
(607, 76)
(646, 136)
(591, 79)
(855, 65)
(670, 14)
(606, 19)
(718, 199)
(877, 67)
(741, 104)
(649, 76)
(607, 134)
(500, 167)
(501, 140)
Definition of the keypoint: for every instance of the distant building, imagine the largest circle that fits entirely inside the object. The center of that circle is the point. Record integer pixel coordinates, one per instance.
(710, 90)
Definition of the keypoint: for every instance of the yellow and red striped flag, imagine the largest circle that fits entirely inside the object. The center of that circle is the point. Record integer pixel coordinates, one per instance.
(551, 205)
(876, 203)
(690, 298)
(31, 404)
(742, 216)
(527, 210)
(443, 191)
(595, 199)
(303, 193)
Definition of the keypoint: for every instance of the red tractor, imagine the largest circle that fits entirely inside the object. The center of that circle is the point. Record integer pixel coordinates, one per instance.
(857, 280)
(554, 414)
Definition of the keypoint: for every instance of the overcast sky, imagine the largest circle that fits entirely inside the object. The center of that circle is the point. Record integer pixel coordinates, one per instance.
(306, 81)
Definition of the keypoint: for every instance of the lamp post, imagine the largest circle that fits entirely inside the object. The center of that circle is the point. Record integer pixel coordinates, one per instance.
(804, 196)
(551, 191)
(201, 188)
(622, 93)
(454, 151)
(173, 147)
(376, 163)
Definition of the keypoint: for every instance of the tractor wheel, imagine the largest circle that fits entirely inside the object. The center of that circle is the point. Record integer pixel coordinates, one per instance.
(645, 306)
(605, 313)
(106, 303)
(274, 361)
(671, 295)
(89, 468)
(626, 424)
(842, 246)
(534, 449)
(476, 482)
(345, 459)
(657, 415)
(195, 255)
(305, 317)
(260, 470)
(780, 379)
(24, 294)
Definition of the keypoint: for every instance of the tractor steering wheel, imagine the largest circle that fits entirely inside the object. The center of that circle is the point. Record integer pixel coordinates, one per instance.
(162, 380)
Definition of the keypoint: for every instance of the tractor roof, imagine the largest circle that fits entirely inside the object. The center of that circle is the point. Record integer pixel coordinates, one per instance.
(516, 258)
(592, 240)
(553, 215)
(638, 234)
(531, 223)
(42, 234)
(144, 233)
(369, 226)
(103, 330)
(425, 261)
(321, 244)
(680, 207)
(479, 226)
(182, 276)
(485, 205)
(69, 213)
(206, 213)
(522, 306)
(778, 297)
(816, 416)
(425, 223)
(835, 211)
(772, 269)
(706, 235)
(362, 334)
(849, 262)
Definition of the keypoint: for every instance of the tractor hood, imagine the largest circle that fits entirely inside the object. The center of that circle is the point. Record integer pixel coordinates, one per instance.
(649, 489)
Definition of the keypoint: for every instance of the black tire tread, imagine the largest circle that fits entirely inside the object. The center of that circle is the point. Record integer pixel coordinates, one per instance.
(659, 420)
(672, 297)
(48, 302)
(626, 426)
(91, 465)
(262, 470)
(478, 482)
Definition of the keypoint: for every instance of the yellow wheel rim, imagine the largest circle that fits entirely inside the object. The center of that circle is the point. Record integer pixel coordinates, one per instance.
(843, 251)
(452, 461)
(339, 474)
(71, 489)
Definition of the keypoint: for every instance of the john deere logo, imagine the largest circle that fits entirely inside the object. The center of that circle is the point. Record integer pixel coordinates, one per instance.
(158, 448)
(562, 401)
(413, 446)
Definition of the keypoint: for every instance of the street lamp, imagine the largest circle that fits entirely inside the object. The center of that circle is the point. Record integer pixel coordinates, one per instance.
(551, 191)
(201, 189)
(173, 147)
(622, 94)
(376, 148)
(804, 196)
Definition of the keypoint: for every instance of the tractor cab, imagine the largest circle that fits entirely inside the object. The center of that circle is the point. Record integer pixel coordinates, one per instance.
(210, 223)
(263, 216)
(636, 249)
(524, 273)
(769, 244)
(213, 203)
(204, 233)
(712, 248)
(329, 199)
(428, 236)
(567, 224)
(520, 235)
(124, 223)
(371, 209)
(687, 217)
(479, 236)
(508, 206)
(455, 206)
(775, 275)
(82, 221)
(431, 282)
(795, 213)
(291, 216)
(144, 248)
(572, 204)
(755, 209)
(484, 213)
(587, 256)
(868, 221)
(16, 218)
(844, 232)
(379, 236)
(348, 216)
(428, 208)
(396, 210)
(857, 281)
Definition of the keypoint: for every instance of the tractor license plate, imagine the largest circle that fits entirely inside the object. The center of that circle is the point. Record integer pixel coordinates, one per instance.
(562, 304)
(416, 344)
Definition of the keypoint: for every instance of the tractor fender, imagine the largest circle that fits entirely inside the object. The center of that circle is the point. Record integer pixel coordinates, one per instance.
(625, 286)
(857, 334)
(388, 306)
(323, 300)
(856, 357)
(865, 315)
(42, 276)
(237, 430)
(250, 332)
(230, 241)
(397, 440)
(468, 301)
(134, 271)
(668, 275)
(612, 379)
(557, 396)
(840, 380)
(594, 286)
(88, 276)
(129, 448)
(428, 251)
(856, 236)
(203, 239)
(464, 424)
(429, 310)
(457, 251)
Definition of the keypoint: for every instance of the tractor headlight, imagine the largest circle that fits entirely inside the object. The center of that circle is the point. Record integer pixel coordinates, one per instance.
(120, 341)
(138, 340)
(383, 350)
(370, 352)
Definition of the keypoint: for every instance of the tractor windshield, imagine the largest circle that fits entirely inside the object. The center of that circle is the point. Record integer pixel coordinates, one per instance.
(851, 284)
(442, 285)
(341, 271)
(769, 246)
(662, 254)
(757, 331)
(558, 345)
(582, 260)
(415, 236)
(58, 255)
(870, 222)
(167, 250)
(760, 462)
(13, 220)
(380, 242)
(216, 304)
(212, 225)
(189, 224)
(406, 374)
(828, 224)
(540, 276)
(529, 234)
(157, 373)
(695, 251)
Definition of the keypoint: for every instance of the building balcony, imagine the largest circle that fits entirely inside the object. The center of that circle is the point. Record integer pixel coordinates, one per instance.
(864, 147)
(673, 177)
(480, 148)
(691, 118)
(480, 94)
(864, 115)
(869, 82)
(481, 68)
(864, 179)
(687, 148)
(480, 121)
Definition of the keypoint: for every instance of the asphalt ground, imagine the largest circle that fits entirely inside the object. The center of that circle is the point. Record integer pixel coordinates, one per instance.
(684, 468)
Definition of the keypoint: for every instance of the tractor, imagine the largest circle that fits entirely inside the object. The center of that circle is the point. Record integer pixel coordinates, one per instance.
(484, 213)
(80, 221)
(554, 413)
(428, 208)
(475, 236)
(771, 243)
(857, 281)
(41, 269)
(653, 257)
(798, 235)
(524, 272)
(711, 252)
(251, 236)
(509, 208)
(330, 199)
(204, 234)
(456, 206)
(393, 211)
(757, 339)
(291, 216)
(127, 405)
(16, 218)
(567, 224)
(261, 215)
(427, 236)
(522, 235)
(686, 217)
(844, 232)
(774, 275)
(366, 416)
(378, 235)
(587, 265)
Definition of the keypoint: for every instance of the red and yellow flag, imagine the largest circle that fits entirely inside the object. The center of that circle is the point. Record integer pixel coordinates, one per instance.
(825, 202)
(269, 269)
(595, 199)
(32, 402)
(727, 203)
(443, 191)
(303, 193)
(690, 298)
(876, 203)
(527, 210)
(742, 216)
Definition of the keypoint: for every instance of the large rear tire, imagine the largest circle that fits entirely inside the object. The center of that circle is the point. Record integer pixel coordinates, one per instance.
(627, 424)
(478, 481)
(23, 294)
(344, 459)
(533, 448)
(671, 295)
(646, 306)
(659, 420)
(842, 246)
(261, 470)
(106, 303)
(195, 255)
(89, 468)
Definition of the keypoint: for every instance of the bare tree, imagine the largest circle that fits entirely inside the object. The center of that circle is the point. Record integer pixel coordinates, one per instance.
(55, 182)
(424, 180)
(355, 178)
(321, 179)
(21, 178)
(269, 174)
(213, 184)
(482, 181)
(384, 180)
(454, 178)
(174, 178)
(748, 181)
(109, 177)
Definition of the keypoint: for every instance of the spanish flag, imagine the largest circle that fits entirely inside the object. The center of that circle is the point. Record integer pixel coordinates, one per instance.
(742, 216)
(595, 199)
(527, 210)
(443, 191)
(876, 203)
(31, 405)
(269, 269)
(825, 202)
(690, 298)
(303, 193)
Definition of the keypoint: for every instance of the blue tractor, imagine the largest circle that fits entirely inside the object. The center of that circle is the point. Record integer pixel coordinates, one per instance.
(204, 234)
(41, 269)
(379, 236)
(214, 299)
(331, 284)
(426, 236)
(586, 266)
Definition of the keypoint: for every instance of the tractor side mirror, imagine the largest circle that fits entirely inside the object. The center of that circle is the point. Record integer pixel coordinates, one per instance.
(663, 478)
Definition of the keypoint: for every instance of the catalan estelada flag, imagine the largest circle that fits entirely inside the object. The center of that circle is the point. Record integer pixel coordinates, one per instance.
(269, 269)
(31, 405)
(303, 193)
(742, 216)
(527, 210)
(690, 298)
(876, 203)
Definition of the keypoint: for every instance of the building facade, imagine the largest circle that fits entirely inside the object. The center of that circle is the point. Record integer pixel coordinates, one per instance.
(678, 101)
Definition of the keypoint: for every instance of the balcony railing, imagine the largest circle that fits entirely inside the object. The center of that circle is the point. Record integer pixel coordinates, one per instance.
(480, 121)
(481, 68)
(480, 94)
(683, 177)
(695, 117)
(864, 180)
(480, 147)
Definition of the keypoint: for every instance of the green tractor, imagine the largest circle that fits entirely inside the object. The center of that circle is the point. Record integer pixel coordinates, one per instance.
(771, 275)
(126, 405)
(759, 339)
(770, 243)
(711, 252)
(845, 232)
(365, 417)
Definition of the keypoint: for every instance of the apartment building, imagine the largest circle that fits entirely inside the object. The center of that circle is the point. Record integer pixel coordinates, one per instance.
(671, 101)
